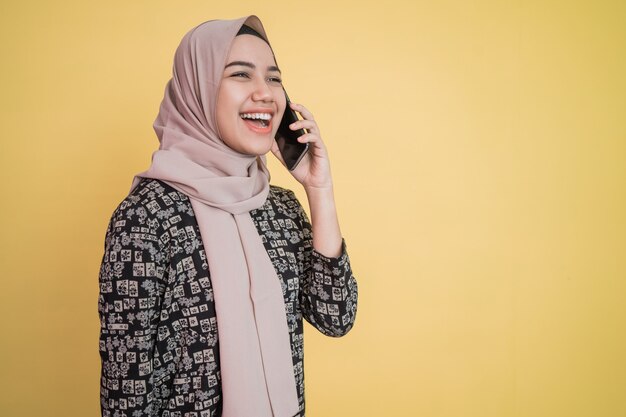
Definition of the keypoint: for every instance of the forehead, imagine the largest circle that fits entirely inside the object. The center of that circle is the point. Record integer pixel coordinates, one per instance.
(250, 48)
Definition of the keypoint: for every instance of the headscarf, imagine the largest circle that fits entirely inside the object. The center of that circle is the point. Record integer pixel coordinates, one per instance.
(223, 185)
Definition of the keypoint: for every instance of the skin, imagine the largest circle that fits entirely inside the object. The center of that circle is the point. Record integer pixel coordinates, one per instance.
(244, 89)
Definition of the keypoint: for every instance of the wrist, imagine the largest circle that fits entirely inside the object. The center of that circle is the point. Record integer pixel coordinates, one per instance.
(325, 189)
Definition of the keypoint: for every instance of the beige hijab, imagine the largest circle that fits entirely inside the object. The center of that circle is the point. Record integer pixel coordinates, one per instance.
(223, 185)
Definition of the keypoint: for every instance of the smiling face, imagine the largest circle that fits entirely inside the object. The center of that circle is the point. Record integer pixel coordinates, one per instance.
(250, 92)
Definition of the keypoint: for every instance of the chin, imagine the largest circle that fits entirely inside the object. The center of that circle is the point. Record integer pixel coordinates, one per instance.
(258, 150)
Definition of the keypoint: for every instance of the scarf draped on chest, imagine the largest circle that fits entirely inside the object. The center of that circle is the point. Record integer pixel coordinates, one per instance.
(223, 185)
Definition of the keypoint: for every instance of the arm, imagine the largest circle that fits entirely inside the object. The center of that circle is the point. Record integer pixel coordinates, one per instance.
(327, 238)
(128, 305)
(313, 172)
(328, 293)
(328, 289)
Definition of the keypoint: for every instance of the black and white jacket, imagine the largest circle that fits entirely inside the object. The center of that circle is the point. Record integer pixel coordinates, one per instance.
(158, 338)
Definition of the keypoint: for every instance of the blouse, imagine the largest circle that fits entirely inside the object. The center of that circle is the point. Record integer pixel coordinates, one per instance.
(159, 344)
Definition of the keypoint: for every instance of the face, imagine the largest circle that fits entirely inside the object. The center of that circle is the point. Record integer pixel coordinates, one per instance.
(250, 101)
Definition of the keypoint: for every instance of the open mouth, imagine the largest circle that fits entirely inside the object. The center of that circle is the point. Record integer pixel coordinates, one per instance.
(260, 120)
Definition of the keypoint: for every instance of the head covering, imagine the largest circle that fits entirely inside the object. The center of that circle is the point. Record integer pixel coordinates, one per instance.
(247, 30)
(223, 185)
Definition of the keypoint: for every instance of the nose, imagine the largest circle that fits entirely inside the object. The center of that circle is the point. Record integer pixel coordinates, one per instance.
(262, 91)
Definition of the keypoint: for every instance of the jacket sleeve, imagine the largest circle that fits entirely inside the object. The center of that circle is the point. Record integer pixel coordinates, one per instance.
(328, 289)
(128, 305)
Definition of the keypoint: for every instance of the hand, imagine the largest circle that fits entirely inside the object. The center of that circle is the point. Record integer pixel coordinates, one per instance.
(313, 171)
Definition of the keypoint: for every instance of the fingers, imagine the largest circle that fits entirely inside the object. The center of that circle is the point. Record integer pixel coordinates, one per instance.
(313, 136)
(310, 125)
(307, 137)
(312, 139)
(302, 110)
(308, 122)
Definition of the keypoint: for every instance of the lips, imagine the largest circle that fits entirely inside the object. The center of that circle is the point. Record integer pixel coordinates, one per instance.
(256, 128)
(258, 119)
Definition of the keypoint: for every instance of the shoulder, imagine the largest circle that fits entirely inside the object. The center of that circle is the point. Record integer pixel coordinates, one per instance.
(284, 201)
(150, 208)
(281, 193)
(283, 196)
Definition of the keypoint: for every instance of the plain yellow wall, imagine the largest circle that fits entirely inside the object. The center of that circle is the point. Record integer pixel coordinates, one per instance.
(479, 156)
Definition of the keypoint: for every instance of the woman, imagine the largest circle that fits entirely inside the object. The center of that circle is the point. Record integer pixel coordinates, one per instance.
(208, 269)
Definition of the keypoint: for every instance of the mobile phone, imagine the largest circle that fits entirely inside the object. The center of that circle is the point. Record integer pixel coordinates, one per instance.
(291, 150)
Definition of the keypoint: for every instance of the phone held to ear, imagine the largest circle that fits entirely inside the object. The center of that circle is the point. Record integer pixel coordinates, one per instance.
(291, 150)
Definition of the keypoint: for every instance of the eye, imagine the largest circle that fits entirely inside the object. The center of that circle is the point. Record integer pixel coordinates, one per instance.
(237, 74)
(276, 79)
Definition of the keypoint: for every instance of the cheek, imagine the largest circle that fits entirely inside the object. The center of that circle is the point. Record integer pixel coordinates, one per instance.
(281, 103)
(230, 97)
(227, 110)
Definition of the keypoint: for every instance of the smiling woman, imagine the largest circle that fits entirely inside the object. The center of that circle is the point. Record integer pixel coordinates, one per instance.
(251, 101)
(208, 270)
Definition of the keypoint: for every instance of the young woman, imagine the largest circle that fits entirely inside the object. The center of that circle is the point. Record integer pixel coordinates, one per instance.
(208, 269)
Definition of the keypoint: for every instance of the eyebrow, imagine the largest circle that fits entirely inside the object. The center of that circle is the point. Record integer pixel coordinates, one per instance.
(251, 65)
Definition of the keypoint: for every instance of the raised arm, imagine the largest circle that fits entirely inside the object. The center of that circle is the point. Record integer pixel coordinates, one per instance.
(328, 289)
(313, 172)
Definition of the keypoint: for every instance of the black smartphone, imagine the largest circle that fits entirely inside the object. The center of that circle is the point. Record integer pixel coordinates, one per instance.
(291, 150)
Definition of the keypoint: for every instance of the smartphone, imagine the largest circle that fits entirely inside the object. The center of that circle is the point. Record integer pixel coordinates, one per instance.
(291, 150)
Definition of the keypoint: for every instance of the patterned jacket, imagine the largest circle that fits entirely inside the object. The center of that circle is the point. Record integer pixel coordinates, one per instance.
(158, 337)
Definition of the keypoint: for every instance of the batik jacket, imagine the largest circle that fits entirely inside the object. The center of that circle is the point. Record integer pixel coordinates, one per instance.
(159, 344)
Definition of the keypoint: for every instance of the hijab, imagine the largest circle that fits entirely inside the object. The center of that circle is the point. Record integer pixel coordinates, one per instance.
(223, 186)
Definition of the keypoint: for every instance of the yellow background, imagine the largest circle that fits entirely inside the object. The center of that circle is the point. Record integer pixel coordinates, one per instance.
(478, 150)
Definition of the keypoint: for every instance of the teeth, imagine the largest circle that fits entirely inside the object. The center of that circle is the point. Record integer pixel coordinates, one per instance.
(262, 116)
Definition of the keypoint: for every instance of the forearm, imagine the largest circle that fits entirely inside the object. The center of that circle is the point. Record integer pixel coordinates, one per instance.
(324, 221)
